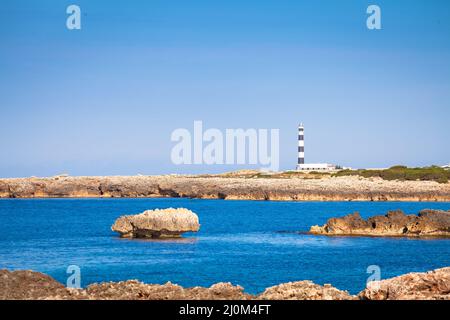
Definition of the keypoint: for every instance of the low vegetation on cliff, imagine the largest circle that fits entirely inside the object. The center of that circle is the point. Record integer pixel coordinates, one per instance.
(402, 173)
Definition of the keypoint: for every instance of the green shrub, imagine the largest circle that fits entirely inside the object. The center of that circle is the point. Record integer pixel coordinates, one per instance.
(442, 180)
(402, 173)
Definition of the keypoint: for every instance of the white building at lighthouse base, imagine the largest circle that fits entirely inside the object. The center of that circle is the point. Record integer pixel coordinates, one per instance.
(316, 167)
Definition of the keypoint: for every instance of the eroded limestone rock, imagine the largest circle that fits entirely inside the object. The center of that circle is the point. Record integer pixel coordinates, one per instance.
(304, 290)
(24, 285)
(432, 285)
(136, 290)
(165, 223)
(428, 223)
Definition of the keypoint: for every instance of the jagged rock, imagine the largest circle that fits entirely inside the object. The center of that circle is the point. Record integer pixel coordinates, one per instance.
(166, 223)
(135, 290)
(432, 285)
(304, 290)
(428, 223)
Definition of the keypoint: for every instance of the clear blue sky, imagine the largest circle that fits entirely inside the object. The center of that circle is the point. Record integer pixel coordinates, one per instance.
(105, 99)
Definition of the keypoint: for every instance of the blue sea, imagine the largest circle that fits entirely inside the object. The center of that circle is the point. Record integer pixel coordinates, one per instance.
(255, 244)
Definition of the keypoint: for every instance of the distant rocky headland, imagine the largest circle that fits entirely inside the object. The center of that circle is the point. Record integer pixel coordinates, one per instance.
(239, 186)
(29, 285)
(428, 223)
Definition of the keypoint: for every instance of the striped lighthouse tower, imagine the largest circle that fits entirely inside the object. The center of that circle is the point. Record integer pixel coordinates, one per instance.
(301, 145)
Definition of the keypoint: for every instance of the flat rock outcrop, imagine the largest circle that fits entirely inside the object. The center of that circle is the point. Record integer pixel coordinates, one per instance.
(428, 223)
(433, 285)
(29, 285)
(165, 223)
(304, 290)
(231, 187)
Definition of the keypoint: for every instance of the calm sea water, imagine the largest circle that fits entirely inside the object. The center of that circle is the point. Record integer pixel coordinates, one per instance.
(250, 243)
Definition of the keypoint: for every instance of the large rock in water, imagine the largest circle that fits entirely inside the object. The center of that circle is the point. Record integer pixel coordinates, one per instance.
(428, 223)
(165, 223)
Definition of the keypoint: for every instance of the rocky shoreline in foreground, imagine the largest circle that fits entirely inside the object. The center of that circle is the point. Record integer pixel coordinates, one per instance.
(230, 187)
(29, 285)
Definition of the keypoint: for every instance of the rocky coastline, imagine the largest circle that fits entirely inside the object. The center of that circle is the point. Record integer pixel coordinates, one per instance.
(229, 187)
(29, 285)
(428, 223)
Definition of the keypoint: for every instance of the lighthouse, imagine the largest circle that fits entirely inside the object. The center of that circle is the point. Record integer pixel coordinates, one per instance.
(301, 165)
(301, 145)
